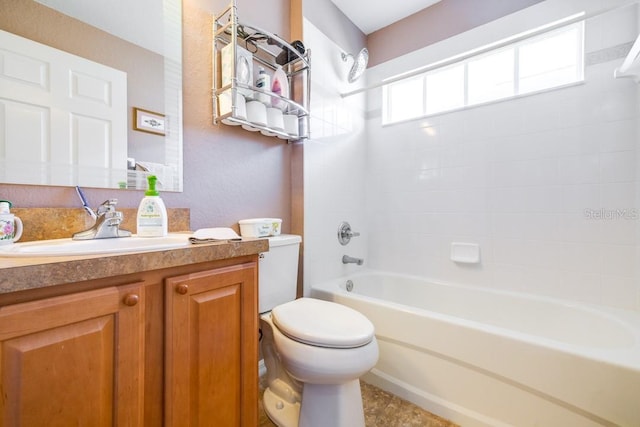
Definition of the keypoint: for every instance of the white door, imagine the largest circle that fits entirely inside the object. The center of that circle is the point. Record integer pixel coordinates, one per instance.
(61, 115)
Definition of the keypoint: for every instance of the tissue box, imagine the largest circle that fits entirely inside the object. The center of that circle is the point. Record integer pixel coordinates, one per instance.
(260, 227)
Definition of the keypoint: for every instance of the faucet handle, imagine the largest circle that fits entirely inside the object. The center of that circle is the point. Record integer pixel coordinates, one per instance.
(107, 223)
(107, 206)
(345, 234)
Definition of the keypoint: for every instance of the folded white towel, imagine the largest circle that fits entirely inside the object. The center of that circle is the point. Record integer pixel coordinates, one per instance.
(216, 234)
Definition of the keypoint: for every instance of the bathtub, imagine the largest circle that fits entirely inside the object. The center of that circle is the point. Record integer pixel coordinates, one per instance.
(488, 358)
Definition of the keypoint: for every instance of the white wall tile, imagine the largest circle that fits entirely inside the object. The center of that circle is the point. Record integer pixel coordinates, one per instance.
(578, 140)
(529, 177)
(619, 195)
(621, 26)
(334, 167)
(581, 169)
(582, 258)
(531, 180)
(576, 198)
(619, 260)
(619, 135)
(619, 166)
(579, 228)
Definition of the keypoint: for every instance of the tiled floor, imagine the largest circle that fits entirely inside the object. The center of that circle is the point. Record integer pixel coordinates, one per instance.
(382, 409)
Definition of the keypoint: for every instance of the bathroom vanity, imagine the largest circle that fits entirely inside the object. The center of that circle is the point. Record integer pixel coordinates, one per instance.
(142, 339)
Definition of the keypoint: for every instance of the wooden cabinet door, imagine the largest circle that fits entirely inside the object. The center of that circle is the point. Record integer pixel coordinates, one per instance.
(73, 360)
(212, 348)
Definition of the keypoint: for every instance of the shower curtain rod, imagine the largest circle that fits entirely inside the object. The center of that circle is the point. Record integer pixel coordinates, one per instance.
(572, 19)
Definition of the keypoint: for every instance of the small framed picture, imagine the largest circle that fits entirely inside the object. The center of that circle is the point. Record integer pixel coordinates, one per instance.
(148, 121)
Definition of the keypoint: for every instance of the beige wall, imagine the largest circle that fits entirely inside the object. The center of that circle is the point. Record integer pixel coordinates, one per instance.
(229, 173)
(438, 22)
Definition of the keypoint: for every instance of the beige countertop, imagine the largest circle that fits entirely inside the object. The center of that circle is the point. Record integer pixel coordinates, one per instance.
(21, 274)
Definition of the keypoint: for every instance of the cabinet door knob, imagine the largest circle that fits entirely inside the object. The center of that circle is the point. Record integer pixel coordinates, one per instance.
(182, 289)
(131, 300)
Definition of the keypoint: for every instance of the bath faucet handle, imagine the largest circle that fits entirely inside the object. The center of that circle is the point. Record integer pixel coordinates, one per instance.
(345, 234)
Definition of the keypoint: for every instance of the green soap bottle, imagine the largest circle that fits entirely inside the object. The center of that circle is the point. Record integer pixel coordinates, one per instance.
(152, 214)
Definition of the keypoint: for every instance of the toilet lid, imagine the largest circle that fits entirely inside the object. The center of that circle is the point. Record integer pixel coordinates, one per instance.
(322, 323)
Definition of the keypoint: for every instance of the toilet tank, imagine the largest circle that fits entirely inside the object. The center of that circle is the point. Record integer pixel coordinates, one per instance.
(278, 272)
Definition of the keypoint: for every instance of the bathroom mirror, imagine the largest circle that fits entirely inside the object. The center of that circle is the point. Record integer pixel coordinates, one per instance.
(139, 47)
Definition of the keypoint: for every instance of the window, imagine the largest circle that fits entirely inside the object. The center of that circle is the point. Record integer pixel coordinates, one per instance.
(491, 77)
(548, 60)
(446, 89)
(402, 104)
(551, 61)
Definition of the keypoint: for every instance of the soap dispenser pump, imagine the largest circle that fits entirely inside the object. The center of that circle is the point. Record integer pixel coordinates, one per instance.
(152, 213)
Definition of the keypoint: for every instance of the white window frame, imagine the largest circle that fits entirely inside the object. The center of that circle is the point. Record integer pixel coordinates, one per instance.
(531, 37)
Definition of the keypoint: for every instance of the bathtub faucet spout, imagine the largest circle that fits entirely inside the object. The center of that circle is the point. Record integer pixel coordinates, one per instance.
(346, 259)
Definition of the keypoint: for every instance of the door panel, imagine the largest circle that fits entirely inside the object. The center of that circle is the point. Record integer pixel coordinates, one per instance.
(81, 106)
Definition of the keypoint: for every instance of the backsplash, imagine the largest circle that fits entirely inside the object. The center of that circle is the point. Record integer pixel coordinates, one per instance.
(57, 223)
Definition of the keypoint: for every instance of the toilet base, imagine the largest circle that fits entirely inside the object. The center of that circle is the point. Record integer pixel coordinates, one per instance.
(336, 405)
(280, 411)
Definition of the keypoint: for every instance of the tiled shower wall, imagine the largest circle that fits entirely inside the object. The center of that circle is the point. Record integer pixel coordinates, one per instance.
(548, 185)
(334, 163)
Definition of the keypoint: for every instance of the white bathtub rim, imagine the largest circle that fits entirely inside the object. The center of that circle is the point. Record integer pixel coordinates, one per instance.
(628, 357)
(612, 313)
(627, 319)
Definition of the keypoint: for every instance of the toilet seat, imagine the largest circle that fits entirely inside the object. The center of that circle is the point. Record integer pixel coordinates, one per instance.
(322, 323)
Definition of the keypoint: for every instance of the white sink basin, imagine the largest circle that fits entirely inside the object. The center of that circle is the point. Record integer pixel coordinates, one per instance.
(68, 247)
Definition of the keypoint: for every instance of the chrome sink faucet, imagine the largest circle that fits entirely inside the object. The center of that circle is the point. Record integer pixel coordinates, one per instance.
(346, 259)
(107, 224)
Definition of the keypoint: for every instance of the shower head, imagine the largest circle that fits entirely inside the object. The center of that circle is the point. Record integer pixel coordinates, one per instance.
(359, 64)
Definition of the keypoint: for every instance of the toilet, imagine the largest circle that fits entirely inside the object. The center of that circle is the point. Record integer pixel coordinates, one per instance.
(314, 351)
